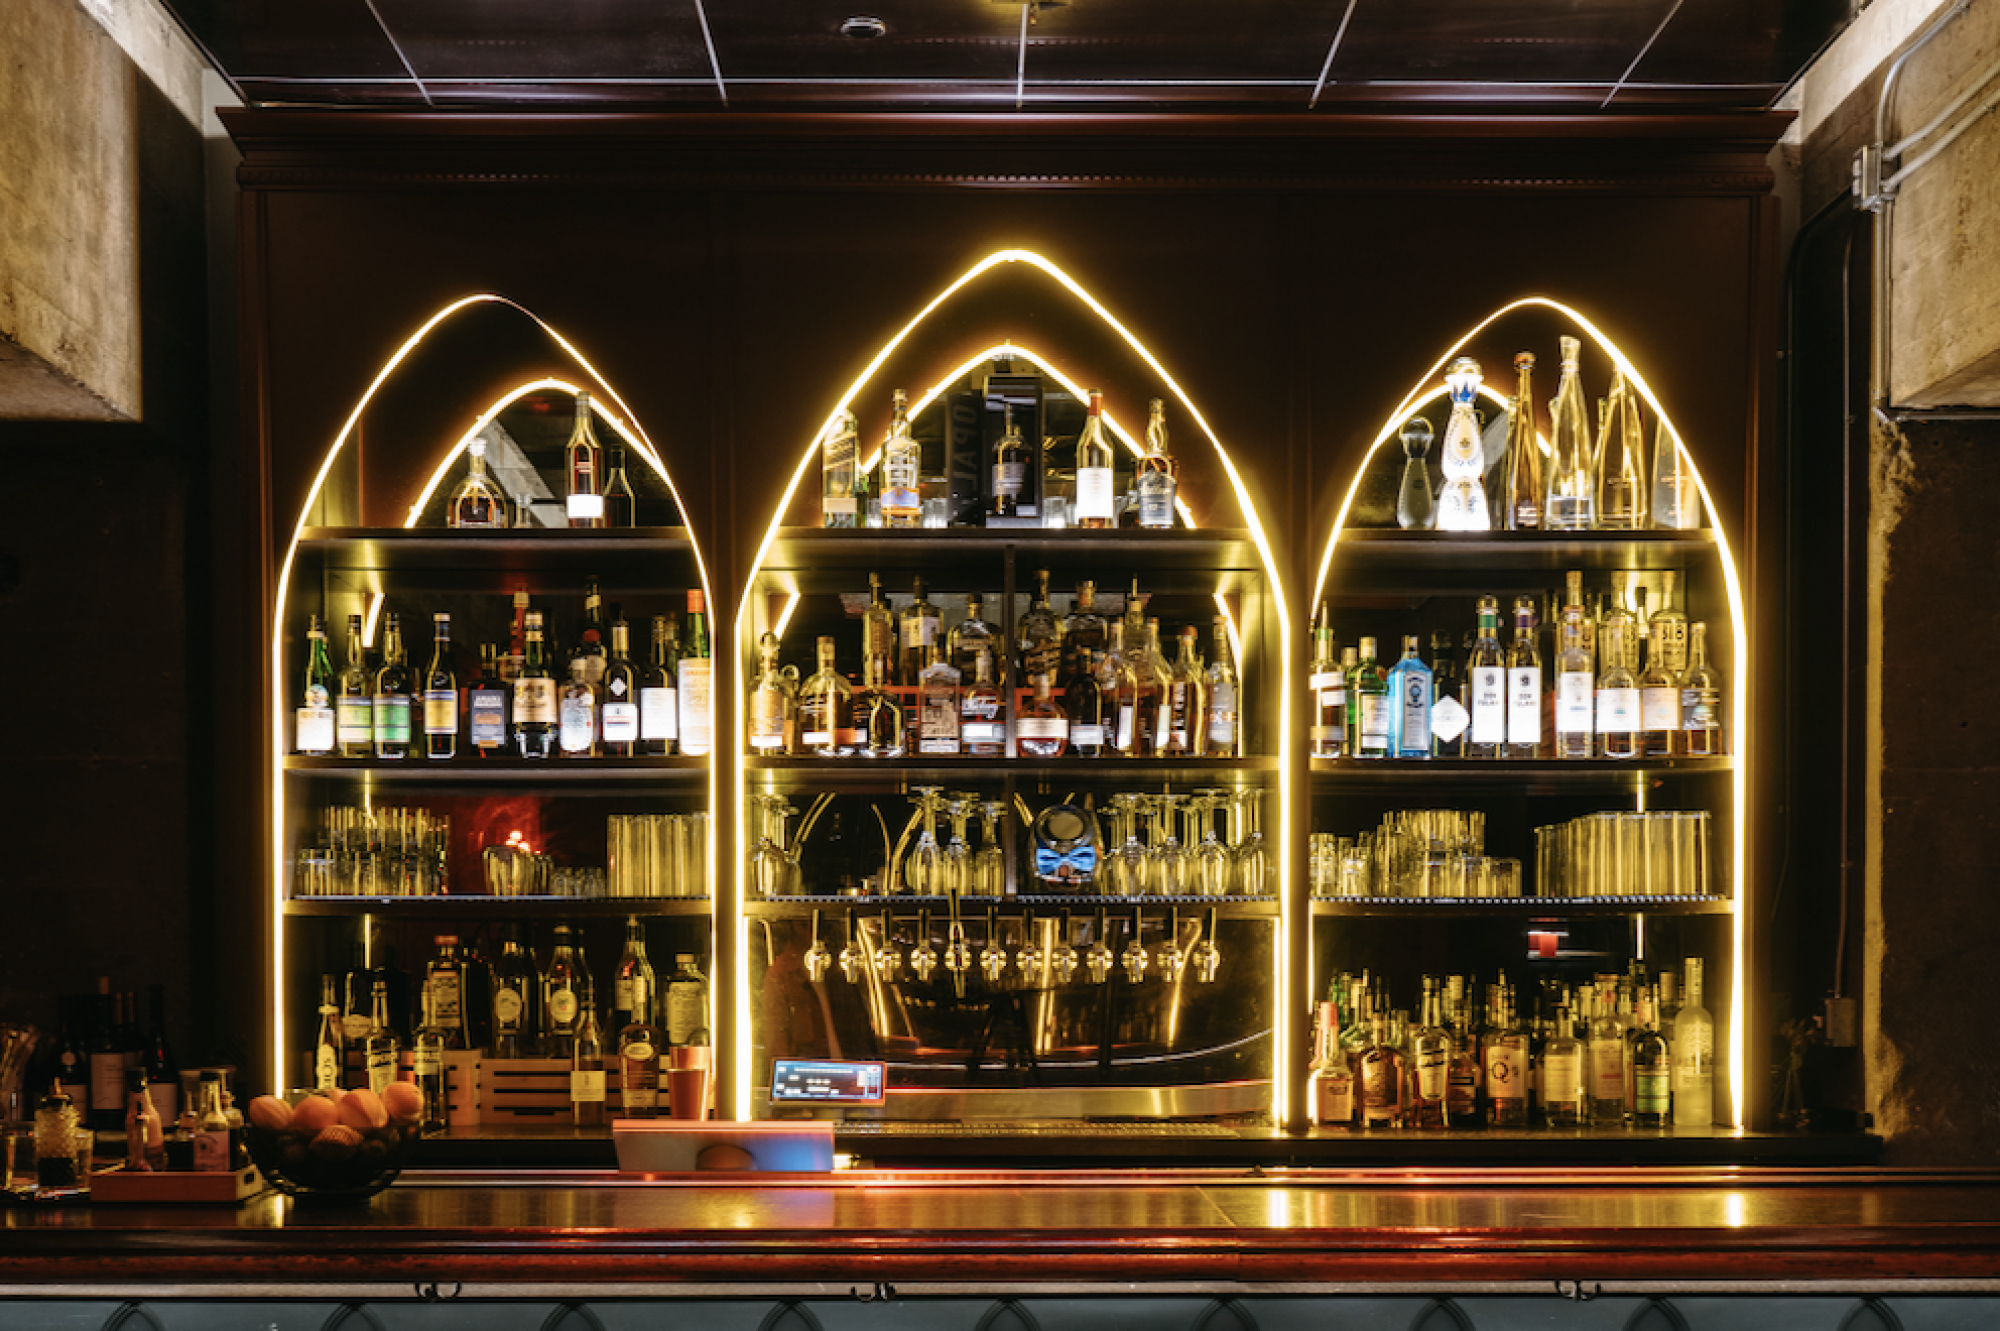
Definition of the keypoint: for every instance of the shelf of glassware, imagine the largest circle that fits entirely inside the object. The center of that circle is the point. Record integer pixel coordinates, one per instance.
(482, 908)
(475, 771)
(1067, 551)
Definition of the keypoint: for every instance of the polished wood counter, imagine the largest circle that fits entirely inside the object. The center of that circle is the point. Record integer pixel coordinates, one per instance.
(1246, 1230)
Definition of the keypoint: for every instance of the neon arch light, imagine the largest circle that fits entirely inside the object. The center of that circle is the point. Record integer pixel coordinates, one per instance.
(628, 428)
(1282, 1016)
(1738, 616)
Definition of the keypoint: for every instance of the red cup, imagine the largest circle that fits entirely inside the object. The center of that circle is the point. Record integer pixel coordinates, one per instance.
(690, 1074)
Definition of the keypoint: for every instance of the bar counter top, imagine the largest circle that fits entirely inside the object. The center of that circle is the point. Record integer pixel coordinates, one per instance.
(904, 1231)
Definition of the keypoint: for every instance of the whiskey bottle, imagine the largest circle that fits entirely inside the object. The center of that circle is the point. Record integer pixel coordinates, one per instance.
(1370, 714)
(577, 706)
(444, 992)
(1042, 728)
(534, 696)
(1576, 683)
(621, 506)
(1039, 635)
(354, 705)
(486, 706)
(1096, 487)
(1621, 491)
(314, 729)
(639, 1049)
(391, 706)
(1486, 682)
(982, 712)
(921, 621)
(1328, 683)
(1084, 632)
(938, 715)
(621, 696)
(1378, 1075)
(1330, 1082)
(1570, 498)
(1701, 700)
(878, 713)
(583, 463)
(1462, 503)
(1449, 719)
(659, 697)
(693, 680)
(902, 462)
(878, 633)
(440, 693)
(1225, 718)
(476, 502)
(1693, 1054)
(971, 636)
(826, 708)
(1157, 481)
(1010, 470)
(1430, 1066)
(1524, 455)
(837, 506)
(1187, 703)
(774, 718)
(1524, 685)
(1410, 704)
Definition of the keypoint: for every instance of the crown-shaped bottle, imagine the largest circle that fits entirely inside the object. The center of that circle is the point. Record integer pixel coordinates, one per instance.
(1462, 504)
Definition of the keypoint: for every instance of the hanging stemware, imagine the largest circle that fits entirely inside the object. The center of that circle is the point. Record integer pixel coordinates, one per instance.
(1214, 867)
(958, 873)
(1168, 873)
(1253, 867)
(924, 869)
(989, 866)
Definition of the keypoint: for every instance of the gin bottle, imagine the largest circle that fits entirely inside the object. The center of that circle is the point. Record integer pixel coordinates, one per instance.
(1369, 711)
(1156, 483)
(1416, 510)
(1410, 705)
(1570, 499)
(476, 502)
(1621, 491)
(902, 460)
(1462, 504)
(1486, 684)
(1524, 455)
(1676, 500)
(837, 505)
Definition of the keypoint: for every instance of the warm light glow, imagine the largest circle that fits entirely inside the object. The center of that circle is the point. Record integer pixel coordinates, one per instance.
(1739, 686)
(280, 695)
(1735, 1210)
(1283, 1017)
(785, 615)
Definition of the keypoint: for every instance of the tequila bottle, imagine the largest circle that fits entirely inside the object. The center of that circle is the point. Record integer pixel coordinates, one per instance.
(1570, 498)
(1416, 509)
(1621, 484)
(1617, 684)
(1096, 491)
(476, 502)
(1524, 685)
(826, 708)
(1486, 682)
(1576, 681)
(1010, 470)
(1410, 704)
(1524, 455)
(1701, 700)
(1370, 714)
(1462, 504)
(1157, 482)
(902, 459)
(774, 715)
(583, 461)
(1225, 720)
(837, 506)
(1676, 499)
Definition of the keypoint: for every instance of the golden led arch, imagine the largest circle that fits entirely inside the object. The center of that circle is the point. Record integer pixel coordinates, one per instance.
(1425, 390)
(622, 421)
(1280, 673)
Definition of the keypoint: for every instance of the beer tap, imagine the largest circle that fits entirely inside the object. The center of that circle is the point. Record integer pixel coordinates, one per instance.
(993, 957)
(957, 952)
(1172, 960)
(1028, 960)
(923, 957)
(1135, 959)
(1206, 958)
(817, 958)
(852, 963)
(1098, 956)
(1063, 959)
(888, 960)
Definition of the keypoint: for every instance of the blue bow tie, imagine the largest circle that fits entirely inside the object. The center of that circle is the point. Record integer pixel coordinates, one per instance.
(1079, 862)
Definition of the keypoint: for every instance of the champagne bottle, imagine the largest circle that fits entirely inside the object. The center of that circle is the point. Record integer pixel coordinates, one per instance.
(440, 693)
(391, 707)
(315, 728)
(583, 461)
(1095, 463)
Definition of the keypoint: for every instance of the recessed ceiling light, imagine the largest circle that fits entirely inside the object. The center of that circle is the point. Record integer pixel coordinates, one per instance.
(863, 27)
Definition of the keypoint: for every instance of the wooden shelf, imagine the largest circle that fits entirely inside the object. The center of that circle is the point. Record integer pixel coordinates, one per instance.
(1388, 549)
(471, 907)
(1533, 776)
(464, 771)
(898, 773)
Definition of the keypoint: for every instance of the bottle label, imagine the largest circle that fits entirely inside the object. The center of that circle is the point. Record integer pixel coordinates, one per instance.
(211, 1151)
(659, 714)
(578, 728)
(1670, 644)
(696, 720)
(1375, 714)
(506, 1010)
(639, 1075)
(687, 1011)
(629, 994)
(441, 712)
(1007, 478)
(1489, 705)
(1042, 727)
(1093, 492)
(1701, 709)
(1506, 1072)
(356, 1027)
(621, 722)
(1524, 705)
(1562, 1077)
(841, 506)
(447, 998)
(354, 720)
(427, 1061)
(1449, 718)
(1416, 714)
(489, 718)
(392, 718)
(1127, 718)
(326, 1067)
(315, 729)
(1083, 735)
(1607, 1068)
(1574, 691)
(1432, 1075)
(585, 507)
(1156, 500)
(1381, 1097)
(919, 632)
(1650, 1091)
(1333, 1097)
(1660, 709)
(534, 702)
(982, 732)
(586, 1086)
(1222, 715)
(1617, 711)
(107, 1081)
(767, 719)
(381, 1068)
(562, 1007)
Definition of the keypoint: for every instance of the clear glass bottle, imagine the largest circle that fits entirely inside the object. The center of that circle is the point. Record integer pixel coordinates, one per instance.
(938, 705)
(1701, 700)
(632, 984)
(921, 630)
(145, 1137)
(1486, 683)
(1152, 693)
(1430, 1066)
(902, 465)
(534, 696)
(1621, 483)
(837, 506)
(390, 705)
(211, 1141)
(1606, 1055)
(694, 679)
(564, 993)
(1040, 635)
(1617, 685)
(1330, 1080)
(1084, 632)
(330, 1044)
(686, 1002)
(1462, 502)
(1659, 702)
(1042, 728)
(354, 704)
(1410, 704)
(1576, 681)
(427, 1067)
(583, 463)
(982, 712)
(1524, 684)
(1561, 1083)
(1225, 717)
(774, 713)
(971, 636)
(659, 696)
(1693, 1054)
(826, 708)
(1504, 1063)
(621, 696)
(880, 716)
(1449, 718)
(1676, 499)
(1186, 709)
(1370, 711)
(1096, 462)
(440, 693)
(587, 1088)
(878, 633)
(476, 502)
(382, 1051)
(577, 706)
(1010, 469)
(1416, 508)
(621, 505)
(1524, 454)
(444, 992)
(1327, 727)
(314, 727)
(1570, 499)
(1157, 480)
(1378, 1075)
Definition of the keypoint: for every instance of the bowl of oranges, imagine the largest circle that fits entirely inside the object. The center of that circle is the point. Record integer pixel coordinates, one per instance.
(333, 1145)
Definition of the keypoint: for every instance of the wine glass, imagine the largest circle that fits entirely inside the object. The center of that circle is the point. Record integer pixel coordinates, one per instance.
(1168, 875)
(1213, 866)
(1253, 866)
(888, 958)
(817, 959)
(924, 870)
(958, 875)
(1128, 865)
(989, 866)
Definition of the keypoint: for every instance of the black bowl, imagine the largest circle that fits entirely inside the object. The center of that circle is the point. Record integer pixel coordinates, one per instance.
(326, 1166)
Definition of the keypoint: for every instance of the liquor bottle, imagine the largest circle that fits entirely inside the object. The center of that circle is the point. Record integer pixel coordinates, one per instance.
(330, 1045)
(1462, 503)
(1429, 1084)
(621, 696)
(427, 1045)
(577, 706)
(921, 622)
(585, 1051)
(1701, 700)
(1186, 709)
(1328, 682)
(938, 715)
(315, 722)
(1416, 508)
(1524, 684)
(1652, 1070)
(591, 638)
(659, 706)
(774, 711)
(1570, 498)
(1617, 685)
(1096, 461)
(1330, 1082)
(382, 1051)
(632, 985)
(1676, 499)
(1659, 703)
(1093, 715)
(534, 696)
(621, 506)
(1576, 684)
(391, 703)
(1694, 1054)
(1562, 1075)
(211, 1142)
(1370, 711)
(878, 713)
(1152, 681)
(1486, 682)
(826, 708)
(902, 461)
(477, 503)
(1449, 719)
(564, 988)
(878, 633)
(1114, 689)
(1157, 480)
(1504, 1063)
(1010, 470)
(1410, 704)
(837, 507)
(1225, 718)
(354, 706)
(1605, 1053)
(693, 680)
(1042, 728)
(1621, 487)
(106, 1106)
(639, 1049)
(517, 637)
(516, 999)
(145, 1141)
(1039, 636)
(444, 992)
(1668, 628)
(486, 705)
(686, 1002)
(982, 712)
(1084, 632)
(583, 463)
(971, 636)
(440, 693)
(1378, 1075)
(1524, 454)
